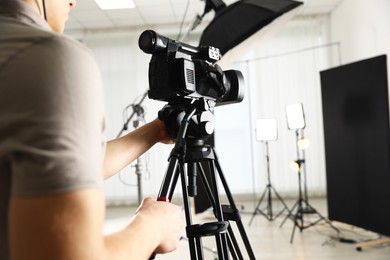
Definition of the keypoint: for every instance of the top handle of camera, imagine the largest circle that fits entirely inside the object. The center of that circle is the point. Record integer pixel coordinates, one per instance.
(151, 42)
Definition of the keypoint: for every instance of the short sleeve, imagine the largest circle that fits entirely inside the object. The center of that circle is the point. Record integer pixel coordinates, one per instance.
(54, 119)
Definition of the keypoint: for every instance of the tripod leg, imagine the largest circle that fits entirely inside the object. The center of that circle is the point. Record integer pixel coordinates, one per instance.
(233, 245)
(289, 214)
(282, 201)
(206, 184)
(222, 246)
(199, 248)
(257, 209)
(212, 195)
(170, 180)
(297, 219)
(321, 217)
(293, 231)
(236, 215)
(225, 239)
(269, 206)
(193, 242)
(221, 238)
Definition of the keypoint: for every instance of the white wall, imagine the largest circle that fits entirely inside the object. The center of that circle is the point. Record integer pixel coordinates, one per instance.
(362, 28)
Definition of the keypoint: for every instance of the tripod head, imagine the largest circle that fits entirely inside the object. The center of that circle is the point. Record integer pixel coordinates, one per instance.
(200, 125)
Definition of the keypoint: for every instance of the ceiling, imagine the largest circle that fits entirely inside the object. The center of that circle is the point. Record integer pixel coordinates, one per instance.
(148, 13)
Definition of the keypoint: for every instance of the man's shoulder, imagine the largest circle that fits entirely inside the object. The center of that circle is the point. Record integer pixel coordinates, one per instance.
(60, 43)
(19, 32)
(20, 40)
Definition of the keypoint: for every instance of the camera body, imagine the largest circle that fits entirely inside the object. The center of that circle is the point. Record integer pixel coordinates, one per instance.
(178, 70)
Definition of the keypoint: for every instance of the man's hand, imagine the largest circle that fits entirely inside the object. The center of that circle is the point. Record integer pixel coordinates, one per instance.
(164, 136)
(168, 220)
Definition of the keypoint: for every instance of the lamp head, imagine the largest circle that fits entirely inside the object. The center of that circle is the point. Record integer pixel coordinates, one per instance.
(296, 165)
(303, 143)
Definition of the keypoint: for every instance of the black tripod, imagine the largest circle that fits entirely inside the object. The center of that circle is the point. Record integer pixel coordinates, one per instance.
(302, 206)
(192, 152)
(268, 191)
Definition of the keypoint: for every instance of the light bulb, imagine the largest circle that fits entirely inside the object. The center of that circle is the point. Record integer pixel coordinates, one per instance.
(303, 143)
(294, 165)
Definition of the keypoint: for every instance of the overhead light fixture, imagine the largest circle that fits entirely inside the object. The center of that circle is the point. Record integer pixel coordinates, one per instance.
(115, 4)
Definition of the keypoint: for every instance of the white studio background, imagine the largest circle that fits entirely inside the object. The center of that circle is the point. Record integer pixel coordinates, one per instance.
(283, 70)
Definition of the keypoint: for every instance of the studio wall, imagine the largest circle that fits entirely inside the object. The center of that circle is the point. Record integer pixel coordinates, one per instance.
(361, 28)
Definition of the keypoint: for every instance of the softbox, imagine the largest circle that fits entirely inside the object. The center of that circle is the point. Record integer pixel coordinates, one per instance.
(237, 28)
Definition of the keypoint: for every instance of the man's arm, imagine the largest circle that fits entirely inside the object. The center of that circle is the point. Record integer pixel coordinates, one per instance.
(69, 226)
(122, 151)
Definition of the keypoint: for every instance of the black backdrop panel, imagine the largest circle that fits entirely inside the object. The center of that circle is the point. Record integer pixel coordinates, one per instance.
(357, 143)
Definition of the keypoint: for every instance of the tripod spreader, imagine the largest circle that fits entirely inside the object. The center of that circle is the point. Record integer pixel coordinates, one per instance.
(207, 229)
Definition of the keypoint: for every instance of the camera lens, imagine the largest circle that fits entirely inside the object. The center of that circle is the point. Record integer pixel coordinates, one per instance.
(151, 42)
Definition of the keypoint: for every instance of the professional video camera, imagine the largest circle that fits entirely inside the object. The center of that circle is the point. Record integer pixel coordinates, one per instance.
(178, 70)
(184, 75)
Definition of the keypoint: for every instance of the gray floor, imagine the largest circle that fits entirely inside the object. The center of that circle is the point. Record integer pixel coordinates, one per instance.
(270, 241)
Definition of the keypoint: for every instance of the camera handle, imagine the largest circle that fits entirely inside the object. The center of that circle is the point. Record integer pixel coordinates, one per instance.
(193, 154)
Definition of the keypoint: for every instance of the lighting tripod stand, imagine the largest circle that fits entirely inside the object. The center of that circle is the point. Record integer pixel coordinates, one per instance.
(268, 191)
(302, 206)
(190, 151)
(138, 110)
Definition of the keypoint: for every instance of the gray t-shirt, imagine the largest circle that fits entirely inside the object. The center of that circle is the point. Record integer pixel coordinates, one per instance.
(51, 111)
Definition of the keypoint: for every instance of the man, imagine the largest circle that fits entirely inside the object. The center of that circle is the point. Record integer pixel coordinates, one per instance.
(52, 154)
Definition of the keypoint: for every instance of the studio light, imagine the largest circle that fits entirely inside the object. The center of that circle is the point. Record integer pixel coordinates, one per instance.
(238, 28)
(266, 130)
(296, 122)
(296, 165)
(295, 116)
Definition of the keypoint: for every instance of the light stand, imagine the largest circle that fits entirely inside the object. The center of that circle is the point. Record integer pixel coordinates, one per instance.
(139, 165)
(296, 121)
(140, 112)
(300, 207)
(308, 209)
(265, 126)
(136, 109)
